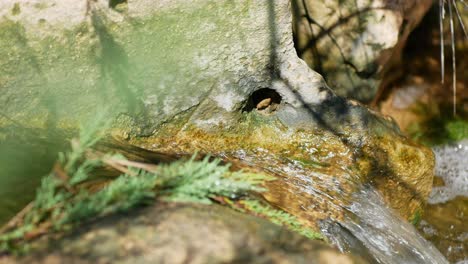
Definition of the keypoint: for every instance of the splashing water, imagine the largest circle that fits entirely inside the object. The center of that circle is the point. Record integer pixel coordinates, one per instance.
(370, 225)
(445, 218)
(368, 228)
(452, 169)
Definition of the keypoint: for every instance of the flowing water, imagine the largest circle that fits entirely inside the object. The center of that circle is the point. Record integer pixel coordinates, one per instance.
(362, 223)
(370, 225)
(452, 168)
(445, 219)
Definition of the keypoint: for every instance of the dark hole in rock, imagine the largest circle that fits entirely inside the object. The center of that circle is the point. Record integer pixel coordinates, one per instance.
(114, 3)
(265, 100)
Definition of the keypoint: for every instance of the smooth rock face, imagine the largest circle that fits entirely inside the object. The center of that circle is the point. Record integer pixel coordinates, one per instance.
(352, 43)
(184, 233)
(194, 76)
(155, 59)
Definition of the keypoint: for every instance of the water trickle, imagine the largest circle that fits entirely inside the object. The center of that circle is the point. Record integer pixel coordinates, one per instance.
(386, 238)
(365, 226)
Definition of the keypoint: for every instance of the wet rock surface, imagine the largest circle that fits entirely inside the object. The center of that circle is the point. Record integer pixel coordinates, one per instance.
(183, 233)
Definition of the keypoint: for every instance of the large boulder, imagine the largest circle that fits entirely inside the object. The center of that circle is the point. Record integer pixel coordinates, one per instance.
(218, 76)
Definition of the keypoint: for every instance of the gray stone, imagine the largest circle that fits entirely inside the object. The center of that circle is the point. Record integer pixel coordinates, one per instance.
(61, 59)
(183, 233)
(156, 62)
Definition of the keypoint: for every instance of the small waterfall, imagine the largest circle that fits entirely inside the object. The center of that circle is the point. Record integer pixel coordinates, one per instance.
(375, 231)
(368, 227)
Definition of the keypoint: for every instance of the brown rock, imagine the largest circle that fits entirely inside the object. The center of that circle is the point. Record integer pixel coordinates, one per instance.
(183, 233)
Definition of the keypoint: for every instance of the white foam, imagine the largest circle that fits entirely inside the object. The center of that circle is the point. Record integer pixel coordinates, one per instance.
(452, 167)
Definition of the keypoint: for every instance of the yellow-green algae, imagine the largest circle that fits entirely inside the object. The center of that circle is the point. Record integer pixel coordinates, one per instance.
(393, 164)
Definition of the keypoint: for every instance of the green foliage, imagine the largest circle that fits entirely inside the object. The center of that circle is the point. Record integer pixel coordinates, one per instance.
(199, 181)
(62, 201)
(192, 181)
(457, 129)
(89, 136)
(416, 218)
(281, 218)
(440, 127)
(120, 195)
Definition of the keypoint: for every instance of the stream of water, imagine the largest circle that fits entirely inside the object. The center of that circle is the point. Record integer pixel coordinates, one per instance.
(375, 231)
(445, 218)
(452, 168)
(365, 227)
(371, 227)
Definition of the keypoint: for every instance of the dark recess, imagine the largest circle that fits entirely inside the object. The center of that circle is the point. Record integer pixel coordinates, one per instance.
(262, 99)
(114, 3)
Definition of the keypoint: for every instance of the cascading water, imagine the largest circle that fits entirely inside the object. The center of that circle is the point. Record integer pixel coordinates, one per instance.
(365, 227)
(370, 224)
(445, 218)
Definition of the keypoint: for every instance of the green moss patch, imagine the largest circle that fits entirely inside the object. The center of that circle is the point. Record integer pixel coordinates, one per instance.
(440, 125)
